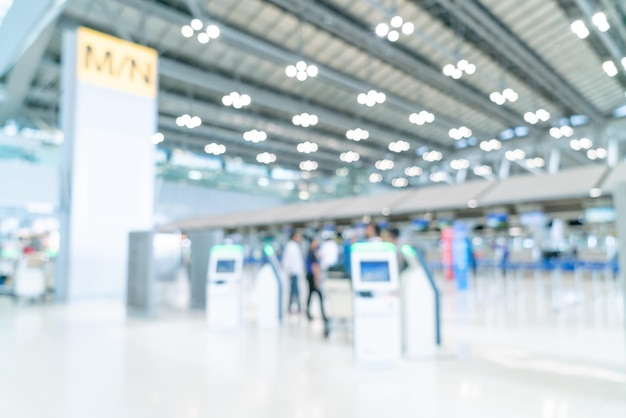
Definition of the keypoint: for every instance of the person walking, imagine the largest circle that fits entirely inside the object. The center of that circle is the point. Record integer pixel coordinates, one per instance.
(293, 266)
(313, 277)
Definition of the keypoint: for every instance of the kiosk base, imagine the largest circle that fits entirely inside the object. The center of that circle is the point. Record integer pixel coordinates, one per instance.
(376, 330)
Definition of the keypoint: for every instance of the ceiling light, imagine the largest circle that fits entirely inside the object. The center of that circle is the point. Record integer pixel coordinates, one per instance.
(304, 195)
(459, 133)
(196, 24)
(408, 28)
(291, 71)
(157, 138)
(399, 182)
(567, 131)
(399, 146)
(515, 155)
(459, 164)
(215, 149)
(203, 38)
(349, 156)
(575, 144)
(382, 29)
(536, 162)
(266, 158)
(413, 171)
(376, 178)
(585, 143)
(213, 31)
(421, 118)
(601, 153)
(384, 164)
(510, 94)
(490, 145)
(580, 29)
(448, 70)
(301, 71)
(555, 132)
(438, 176)
(188, 121)
(371, 98)
(591, 154)
(500, 98)
(357, 134)
(595, 192)
(483, 170)
(432, 156)
(305, 120)
(609, 68)
(599, 19)
(396, 21)
(236, 100)
(531, 118)
(392, 29)
(187, 31)
(308, 165)
(456, 71)
(254, 136)
(307, 147)
(534, 117)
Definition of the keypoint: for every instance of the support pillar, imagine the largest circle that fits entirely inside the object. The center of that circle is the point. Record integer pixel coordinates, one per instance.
(108, 115)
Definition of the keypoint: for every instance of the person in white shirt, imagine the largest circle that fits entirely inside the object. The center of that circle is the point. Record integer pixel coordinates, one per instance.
(328, 252)
(293, 266)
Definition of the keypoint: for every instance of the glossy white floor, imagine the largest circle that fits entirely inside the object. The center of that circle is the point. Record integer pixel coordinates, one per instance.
(509, 351)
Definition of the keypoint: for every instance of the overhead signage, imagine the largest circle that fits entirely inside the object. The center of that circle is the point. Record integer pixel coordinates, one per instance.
(106, 61)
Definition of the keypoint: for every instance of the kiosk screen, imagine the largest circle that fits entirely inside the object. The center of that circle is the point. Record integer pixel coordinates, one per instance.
(375, 271)
(225, 266)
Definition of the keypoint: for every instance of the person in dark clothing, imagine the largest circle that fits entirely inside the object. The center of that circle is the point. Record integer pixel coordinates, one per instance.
(313, 279)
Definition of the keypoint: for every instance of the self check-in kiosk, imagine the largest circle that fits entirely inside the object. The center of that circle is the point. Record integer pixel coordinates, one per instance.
(376, 304)
(224, 290)
(269, 291)
(421, 330)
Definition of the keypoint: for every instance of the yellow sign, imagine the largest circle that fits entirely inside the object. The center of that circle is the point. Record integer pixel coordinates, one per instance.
(117, 64)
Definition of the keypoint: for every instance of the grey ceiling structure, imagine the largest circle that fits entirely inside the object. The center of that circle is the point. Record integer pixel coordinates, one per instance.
(526, 46)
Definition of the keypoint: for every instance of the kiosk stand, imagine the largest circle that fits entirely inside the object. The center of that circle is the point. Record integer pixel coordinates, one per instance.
(224, 290)
(376, 304)
(420, 307)
(269, 291)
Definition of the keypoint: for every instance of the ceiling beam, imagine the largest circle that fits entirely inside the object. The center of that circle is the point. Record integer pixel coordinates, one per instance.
(363, 38)
(176, 104)
(614, 50)
(259, 47)
(479, 20)
(21, 76)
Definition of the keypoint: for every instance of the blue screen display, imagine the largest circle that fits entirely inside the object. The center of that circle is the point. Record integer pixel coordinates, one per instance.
(375, 271)
(225, 266)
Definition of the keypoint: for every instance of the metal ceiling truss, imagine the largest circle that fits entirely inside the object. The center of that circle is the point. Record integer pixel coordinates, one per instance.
(480, 21)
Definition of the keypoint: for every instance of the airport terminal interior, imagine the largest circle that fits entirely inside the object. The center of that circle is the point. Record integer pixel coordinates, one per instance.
(312, 208)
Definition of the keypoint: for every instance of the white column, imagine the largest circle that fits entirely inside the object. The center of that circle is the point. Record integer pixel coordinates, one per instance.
(108, 115)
